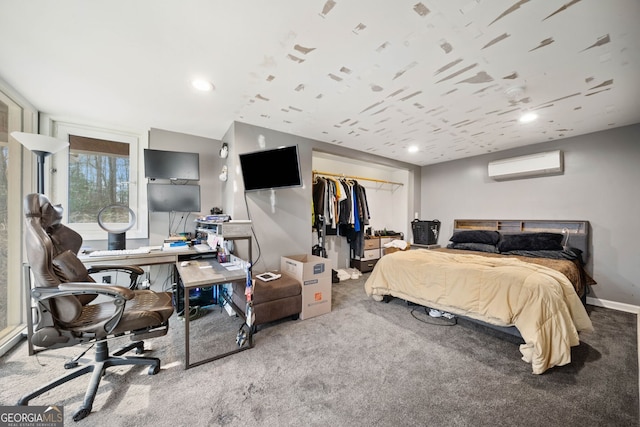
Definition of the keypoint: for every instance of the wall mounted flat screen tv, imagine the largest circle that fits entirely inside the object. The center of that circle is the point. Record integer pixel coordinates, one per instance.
(175, 165)
(173, 198)
(274, 168)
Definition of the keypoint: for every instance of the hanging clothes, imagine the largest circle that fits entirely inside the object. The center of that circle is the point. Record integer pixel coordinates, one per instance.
(341, 207)
(318, 199)
(361, 219)
(345, 204)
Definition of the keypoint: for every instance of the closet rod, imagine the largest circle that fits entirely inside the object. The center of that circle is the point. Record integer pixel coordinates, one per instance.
(382, 181)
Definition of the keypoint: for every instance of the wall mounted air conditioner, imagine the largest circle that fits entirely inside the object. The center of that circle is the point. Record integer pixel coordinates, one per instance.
(548, 163)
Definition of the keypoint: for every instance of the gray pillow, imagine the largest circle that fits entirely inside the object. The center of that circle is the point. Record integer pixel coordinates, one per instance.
(481, 247)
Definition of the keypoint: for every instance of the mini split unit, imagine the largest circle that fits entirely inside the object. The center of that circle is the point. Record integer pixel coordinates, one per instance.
(548, 163)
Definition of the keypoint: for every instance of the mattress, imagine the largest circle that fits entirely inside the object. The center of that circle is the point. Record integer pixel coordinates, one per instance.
(539, 300)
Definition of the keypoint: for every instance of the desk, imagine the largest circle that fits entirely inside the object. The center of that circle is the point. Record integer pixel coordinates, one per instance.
(151, 258)
(155, 257)
(209, 273)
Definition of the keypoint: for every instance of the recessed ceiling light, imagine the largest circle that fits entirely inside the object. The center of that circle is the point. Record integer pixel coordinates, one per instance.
(528, 117)
(413, 149)
(202, 85)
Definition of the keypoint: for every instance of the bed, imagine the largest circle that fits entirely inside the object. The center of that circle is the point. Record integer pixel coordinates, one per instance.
(524, 275)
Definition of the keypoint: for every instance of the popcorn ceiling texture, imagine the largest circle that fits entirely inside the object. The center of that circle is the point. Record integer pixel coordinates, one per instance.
(451, 77)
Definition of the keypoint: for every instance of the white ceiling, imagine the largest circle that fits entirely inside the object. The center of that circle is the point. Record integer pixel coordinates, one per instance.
(372, 75)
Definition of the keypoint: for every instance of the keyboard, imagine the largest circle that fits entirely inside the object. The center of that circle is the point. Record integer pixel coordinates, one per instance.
(177, 248)
(120, 252)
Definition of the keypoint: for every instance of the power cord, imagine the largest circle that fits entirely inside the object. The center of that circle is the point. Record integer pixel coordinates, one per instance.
(167, 285)
(222, 297)
(253, 231)
(448, 322)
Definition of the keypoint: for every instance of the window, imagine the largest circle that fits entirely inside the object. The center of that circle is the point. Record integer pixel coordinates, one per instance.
(4, 215)
(12, 304)
(98, 177)
(102, 170)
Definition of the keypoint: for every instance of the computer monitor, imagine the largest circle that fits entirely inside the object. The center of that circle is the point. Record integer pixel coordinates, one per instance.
(173, 198)
(174, 165)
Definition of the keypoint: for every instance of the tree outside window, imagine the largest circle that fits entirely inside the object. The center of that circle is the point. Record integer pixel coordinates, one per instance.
(98, 177)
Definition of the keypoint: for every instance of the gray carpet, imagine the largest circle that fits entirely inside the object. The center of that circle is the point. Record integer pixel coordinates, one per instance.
(366, 363)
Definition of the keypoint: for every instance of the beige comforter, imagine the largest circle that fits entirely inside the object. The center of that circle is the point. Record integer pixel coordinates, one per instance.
(539, 301)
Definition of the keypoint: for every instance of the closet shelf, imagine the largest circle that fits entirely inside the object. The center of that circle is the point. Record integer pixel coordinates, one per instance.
(357, 178)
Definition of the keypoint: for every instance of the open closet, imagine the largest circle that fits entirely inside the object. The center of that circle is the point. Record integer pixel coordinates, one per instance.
(385, 191)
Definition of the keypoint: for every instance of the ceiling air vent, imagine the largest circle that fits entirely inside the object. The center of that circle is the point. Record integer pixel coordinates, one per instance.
(548, 163)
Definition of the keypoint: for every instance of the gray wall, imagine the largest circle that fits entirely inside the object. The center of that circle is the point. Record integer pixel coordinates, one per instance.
(282, 218)
(600, 185)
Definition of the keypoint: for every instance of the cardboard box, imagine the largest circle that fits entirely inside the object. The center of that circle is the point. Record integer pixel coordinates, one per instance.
(314, 273)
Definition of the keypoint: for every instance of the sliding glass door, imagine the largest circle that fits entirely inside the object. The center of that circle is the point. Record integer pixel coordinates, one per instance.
(12, 305)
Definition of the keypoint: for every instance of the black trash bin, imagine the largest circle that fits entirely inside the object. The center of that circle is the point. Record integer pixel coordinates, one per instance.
(425, 232)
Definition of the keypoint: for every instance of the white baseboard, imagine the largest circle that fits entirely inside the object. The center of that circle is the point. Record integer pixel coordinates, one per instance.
(614, 305)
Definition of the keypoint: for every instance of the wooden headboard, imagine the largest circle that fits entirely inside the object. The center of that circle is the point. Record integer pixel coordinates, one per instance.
(576, 232)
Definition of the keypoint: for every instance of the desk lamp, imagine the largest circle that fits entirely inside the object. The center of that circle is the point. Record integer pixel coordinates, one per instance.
(42, 146)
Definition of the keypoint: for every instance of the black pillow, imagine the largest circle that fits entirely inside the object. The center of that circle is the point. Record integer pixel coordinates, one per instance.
(487, 237)
(531, 242)
(480, 247)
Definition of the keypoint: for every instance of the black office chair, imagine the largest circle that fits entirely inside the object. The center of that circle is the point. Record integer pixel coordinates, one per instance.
(68, 312)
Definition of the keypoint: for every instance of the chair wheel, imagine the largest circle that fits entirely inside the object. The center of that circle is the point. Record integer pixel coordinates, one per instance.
(154, 369)
(81, 413)
(70, 365)
(139, 347)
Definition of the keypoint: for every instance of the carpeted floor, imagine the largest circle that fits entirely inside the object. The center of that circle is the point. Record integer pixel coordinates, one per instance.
(365, 363)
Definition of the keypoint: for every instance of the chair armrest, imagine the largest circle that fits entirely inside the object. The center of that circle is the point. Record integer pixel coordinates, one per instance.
(95, 288)
(82, 288)
(134, 272)
(119, 295)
